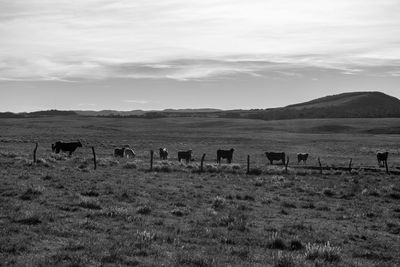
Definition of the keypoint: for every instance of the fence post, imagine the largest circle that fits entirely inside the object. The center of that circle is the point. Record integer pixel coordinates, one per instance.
(202, 162)
(151, 159)
(320, 165)
(34, 153)
(94, 158)
(248, 164)
(286, 164)
(351, 161)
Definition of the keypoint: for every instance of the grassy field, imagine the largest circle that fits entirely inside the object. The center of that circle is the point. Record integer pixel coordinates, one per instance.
(61, 212)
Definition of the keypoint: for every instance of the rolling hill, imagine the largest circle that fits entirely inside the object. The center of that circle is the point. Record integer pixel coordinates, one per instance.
(346, 105)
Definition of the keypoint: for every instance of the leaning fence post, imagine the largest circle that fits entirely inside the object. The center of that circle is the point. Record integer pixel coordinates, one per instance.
(351, 161)
(202, 162)
(94, 158)
(34, 153)
(248, 164)
(151, 159)
(286, 164)
(320, 165)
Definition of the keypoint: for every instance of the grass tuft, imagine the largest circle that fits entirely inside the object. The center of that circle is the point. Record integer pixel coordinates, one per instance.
(89, 203)
(144, 210)
(218, 203)
(130, 165)
(288, 260)
(324, 252)
(329, 192)
(185, 258)
(255, 171)
(276, 242)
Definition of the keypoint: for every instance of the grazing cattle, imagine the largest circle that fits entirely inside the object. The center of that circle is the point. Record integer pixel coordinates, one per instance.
(119, 152)
(271, 156)
(302, 157)
(186, 155)
(65, 147)
(163, 153)
(225, 154)
(382, 158)
(128, 153)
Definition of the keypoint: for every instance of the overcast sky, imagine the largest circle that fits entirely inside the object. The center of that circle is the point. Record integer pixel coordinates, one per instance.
(148, 54)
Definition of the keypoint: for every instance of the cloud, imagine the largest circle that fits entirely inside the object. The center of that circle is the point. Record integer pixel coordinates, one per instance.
(97, 39)
(288, 67)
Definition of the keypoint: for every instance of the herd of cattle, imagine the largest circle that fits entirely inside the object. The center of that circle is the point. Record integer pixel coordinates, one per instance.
(127, 152)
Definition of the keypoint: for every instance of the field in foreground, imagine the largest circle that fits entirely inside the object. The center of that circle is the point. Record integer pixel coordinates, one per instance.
(62, 212)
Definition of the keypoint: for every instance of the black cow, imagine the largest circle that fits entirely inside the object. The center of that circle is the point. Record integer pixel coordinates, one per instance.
(382, 158)
(65, 147)
(186, 155)
(271, 156)
(302, 157)
(119, 152)
(225, 154)
(163, 153)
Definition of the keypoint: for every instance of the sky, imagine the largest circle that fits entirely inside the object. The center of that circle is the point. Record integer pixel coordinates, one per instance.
(227, 54)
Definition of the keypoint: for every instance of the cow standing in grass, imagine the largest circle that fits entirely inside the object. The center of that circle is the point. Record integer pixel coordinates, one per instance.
(186, 155)
(163, 154)
(65, 147)
(225, 154)
(302, 157)
(119, 152)
(128, 153)
(382, 158)
(275, 156)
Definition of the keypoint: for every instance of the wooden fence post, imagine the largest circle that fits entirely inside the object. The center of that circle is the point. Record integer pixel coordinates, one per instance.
(286, 164)
(202, 162)
(34, 153)
(351, 161)
(151, 159)
(320, 165)
(94, 158)
(248, 164)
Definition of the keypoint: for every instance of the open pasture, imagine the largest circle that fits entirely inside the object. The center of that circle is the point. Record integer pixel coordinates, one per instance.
(62, 212)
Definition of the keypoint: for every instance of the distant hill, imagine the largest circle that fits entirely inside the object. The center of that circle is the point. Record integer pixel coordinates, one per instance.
(52, 112)
(191, 110)
(135, 113)
(110, 113)
(346, 105)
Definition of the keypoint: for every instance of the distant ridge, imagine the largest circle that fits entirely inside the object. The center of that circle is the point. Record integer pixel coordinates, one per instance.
(52, 112)
(346, 105)
(189, 110)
